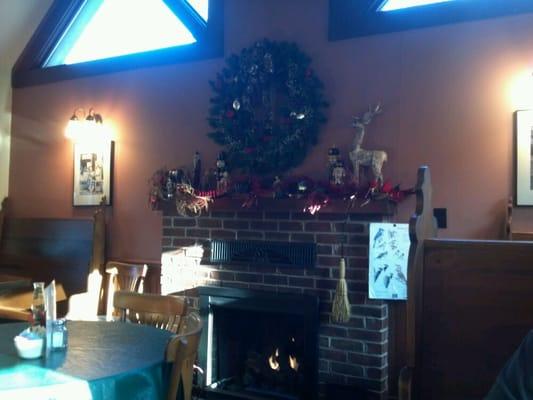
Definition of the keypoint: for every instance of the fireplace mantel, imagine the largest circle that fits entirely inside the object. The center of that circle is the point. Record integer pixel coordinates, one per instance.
(336, 206)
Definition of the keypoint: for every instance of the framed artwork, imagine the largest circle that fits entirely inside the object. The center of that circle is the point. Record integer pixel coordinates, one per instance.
(524, 161)
(92, 173)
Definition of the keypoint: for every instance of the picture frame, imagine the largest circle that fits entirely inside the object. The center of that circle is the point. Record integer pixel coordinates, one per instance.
(523, 158)
(93, 163)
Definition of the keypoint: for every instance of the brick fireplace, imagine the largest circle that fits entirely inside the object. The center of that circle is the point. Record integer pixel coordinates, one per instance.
(352, 354)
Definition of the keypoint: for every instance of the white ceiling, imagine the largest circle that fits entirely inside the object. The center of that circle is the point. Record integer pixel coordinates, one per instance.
(18, 20)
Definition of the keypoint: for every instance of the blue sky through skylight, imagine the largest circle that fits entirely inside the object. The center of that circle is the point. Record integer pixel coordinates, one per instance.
(201, 7)
(122, 27)
(390, 5)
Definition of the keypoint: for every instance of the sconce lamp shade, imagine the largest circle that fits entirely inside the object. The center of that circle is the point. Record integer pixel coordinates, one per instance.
(86, 129)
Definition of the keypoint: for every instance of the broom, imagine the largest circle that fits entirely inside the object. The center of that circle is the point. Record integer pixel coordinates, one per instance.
(341, 304)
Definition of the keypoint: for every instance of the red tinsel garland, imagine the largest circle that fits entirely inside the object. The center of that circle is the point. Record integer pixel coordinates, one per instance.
(316, 195)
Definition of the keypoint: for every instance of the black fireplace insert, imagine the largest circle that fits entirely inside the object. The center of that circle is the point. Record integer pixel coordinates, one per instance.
(258, 345)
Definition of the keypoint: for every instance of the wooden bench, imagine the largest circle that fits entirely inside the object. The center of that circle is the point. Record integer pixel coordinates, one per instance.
(42, 249)
(469, 307)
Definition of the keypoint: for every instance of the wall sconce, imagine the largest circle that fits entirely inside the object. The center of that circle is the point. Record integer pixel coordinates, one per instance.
(520, 90)
(93, 158)
(88, 127)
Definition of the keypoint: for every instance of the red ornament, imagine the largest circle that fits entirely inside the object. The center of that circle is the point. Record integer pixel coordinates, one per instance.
(387, 187)
(374, 184)
(230, 114)
(249, 150)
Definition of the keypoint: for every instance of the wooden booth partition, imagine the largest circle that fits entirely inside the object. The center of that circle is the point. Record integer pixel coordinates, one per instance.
(469, 307)
(42, 249)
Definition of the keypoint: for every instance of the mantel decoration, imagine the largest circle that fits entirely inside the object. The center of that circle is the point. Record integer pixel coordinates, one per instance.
(167, 185)
(192, 191)
(266, 112)
(267, 108)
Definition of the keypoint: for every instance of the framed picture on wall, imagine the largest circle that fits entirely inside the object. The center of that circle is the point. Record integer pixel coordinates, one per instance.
(524, 159)
(92, 173)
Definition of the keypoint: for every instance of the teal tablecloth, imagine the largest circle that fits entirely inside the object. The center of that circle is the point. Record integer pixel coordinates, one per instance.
(104, 360)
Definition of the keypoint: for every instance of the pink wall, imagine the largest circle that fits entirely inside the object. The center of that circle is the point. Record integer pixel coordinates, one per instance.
(444, 91)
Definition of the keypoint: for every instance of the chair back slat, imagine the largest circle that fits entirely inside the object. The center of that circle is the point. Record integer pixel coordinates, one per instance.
(123, 276)
(126, 276)
(164, 312)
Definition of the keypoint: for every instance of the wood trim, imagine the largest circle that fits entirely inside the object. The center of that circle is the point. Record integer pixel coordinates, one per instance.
(28, 69)
(98, 257)
(47, 34)
(3, 211)
(422, 225)
(348, 19)
(184, 12)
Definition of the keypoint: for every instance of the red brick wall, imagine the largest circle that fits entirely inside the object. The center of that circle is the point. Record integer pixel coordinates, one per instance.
(349, 354)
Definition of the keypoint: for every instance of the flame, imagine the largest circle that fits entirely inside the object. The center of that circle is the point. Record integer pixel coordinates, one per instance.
(293, 362)
(273, 362)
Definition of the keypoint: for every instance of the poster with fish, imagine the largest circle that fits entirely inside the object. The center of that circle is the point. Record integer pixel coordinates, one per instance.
(388, 252)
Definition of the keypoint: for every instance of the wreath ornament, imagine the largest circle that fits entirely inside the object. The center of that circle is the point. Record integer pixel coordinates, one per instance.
(267, 108)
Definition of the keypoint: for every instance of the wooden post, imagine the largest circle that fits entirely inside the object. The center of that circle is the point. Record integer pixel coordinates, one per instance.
(422, 225)
(3, 211)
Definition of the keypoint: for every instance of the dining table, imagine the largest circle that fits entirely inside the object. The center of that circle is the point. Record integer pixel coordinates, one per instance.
(102, 360)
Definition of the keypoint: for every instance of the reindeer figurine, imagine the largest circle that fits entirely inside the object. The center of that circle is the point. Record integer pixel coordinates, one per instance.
(367, 158)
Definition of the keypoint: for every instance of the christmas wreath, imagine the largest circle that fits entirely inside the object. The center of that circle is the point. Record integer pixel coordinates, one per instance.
(267, 108)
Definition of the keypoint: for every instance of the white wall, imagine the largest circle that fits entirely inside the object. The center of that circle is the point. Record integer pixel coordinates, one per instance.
(18, 20)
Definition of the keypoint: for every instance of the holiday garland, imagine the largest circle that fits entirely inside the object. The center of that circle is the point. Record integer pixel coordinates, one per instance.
(267, 108)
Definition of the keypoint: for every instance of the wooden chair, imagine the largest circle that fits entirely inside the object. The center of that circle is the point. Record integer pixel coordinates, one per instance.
(123, 276)
(182, 351)
(164, 312)
(126, 276)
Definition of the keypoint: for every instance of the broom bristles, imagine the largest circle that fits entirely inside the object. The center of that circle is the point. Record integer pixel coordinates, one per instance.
(341, 304)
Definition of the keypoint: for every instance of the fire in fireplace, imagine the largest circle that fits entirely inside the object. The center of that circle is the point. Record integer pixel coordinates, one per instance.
(259, 345)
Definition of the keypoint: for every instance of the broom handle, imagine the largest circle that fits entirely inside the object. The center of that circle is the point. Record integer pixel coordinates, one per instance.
(342, 269)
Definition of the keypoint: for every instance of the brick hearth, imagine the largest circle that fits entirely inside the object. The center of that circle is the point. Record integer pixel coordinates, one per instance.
(353, 354)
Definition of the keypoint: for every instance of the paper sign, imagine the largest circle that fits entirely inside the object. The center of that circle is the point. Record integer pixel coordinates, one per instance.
(387, 261)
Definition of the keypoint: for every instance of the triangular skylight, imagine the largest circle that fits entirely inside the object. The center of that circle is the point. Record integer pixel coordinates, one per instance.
(391, 5)
(201, 7)
(120, 27)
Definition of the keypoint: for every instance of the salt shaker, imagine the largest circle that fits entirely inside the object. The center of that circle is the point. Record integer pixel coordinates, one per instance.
(59, 334)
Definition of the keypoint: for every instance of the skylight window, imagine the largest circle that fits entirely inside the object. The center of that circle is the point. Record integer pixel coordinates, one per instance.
(201, 7)
(391, 5)
(120, 27)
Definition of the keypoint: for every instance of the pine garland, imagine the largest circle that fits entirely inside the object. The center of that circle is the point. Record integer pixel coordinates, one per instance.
(267, 108)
